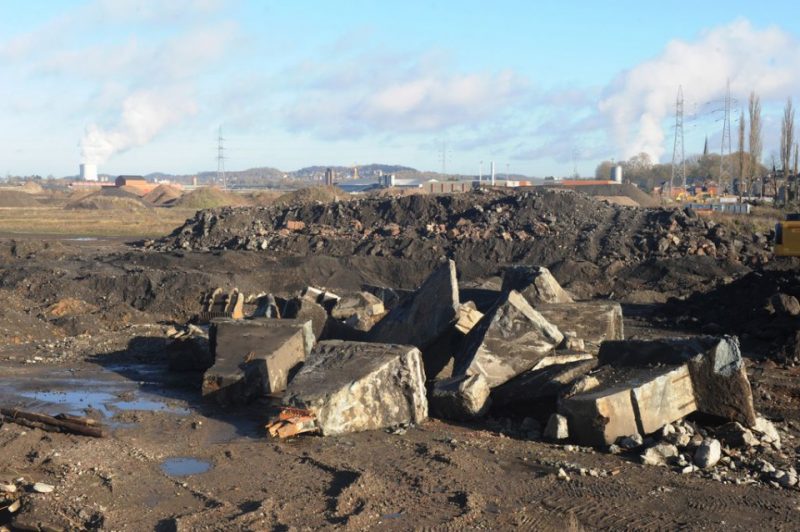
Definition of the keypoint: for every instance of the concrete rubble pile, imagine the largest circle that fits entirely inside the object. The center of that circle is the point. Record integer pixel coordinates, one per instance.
(336, 363)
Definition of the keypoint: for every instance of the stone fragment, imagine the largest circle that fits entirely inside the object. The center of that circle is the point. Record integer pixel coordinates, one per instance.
(421, 319)
(460, 398)
(536, 284)
(630, 442)
(715, 364)
(41, 487)
(708, 454)
(361, 304)
(355, 386)
(468, 317)
(254, 358)
(594, 322)
(769, 434)
(656, 397)
(7, 488)
(557, 428)
(510, 339)
(658, 454)
(735, 435)
(785, 304)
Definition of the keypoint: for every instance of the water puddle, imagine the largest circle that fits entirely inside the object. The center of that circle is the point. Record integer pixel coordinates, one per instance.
(183, 466)
(104, 392)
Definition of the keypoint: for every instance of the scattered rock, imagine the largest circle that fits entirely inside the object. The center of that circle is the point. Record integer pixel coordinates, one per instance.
(462, 397)
(557, 428)
(708, 454)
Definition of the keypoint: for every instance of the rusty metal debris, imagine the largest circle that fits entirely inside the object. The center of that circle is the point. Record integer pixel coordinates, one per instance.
(291, 422)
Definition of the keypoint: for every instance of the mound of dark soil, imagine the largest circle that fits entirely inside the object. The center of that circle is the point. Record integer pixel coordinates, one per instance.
(628, 248)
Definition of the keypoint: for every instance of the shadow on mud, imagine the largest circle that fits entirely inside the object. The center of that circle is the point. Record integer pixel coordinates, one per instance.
(145, 362)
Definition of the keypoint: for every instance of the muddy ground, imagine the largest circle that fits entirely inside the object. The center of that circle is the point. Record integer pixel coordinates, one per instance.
(84, 327)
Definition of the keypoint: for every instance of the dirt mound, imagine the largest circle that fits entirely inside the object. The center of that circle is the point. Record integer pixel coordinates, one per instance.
(209, 198)
(617, 193)
(110, 200)
(16, 198)
(265, 197)
(32, 187)
(629, 248)
(163, 195)
(323, 194)
(761, 308)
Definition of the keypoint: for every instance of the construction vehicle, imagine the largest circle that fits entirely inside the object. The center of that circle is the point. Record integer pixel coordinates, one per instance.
(787, 237)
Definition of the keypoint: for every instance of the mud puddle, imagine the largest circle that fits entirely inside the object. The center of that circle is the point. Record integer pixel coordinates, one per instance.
(97, 390)
(182, 466)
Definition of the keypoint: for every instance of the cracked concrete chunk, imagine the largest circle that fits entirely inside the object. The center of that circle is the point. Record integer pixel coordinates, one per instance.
(540, 386)
(253, 358)
(510, 339)
(360, 304)
(460, 398)
(536, 284)
(356, 386)
(594, 322)
(425, 316)
(657, 397)
(557, 428)
(306, 308)
(715, 364)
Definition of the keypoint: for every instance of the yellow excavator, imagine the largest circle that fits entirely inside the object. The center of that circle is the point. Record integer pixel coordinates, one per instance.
(787, 237)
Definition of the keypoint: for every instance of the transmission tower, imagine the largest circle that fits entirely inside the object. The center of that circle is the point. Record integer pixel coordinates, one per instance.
(443, 156)
(221, 160)
(725, 172)
(678, 157)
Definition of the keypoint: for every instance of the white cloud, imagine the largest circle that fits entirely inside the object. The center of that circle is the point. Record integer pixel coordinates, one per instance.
(639, 101)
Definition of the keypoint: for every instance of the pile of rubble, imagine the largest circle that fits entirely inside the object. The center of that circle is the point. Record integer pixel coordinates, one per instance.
(380, 358)
(767, 317)
(532, 227)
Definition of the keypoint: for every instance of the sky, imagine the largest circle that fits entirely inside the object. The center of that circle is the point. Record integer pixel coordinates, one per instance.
(541, 88)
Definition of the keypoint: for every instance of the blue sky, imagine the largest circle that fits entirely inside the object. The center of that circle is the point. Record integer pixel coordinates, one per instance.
(139, 86)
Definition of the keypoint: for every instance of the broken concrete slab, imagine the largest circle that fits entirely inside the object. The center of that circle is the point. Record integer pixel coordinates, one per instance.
(356, 386)
(536, 284)
(715, 364)
(656, 397)
(253, 358)
(305, 308)
(594, 322)
(510, 339)
(460, 398)
(539, 389)
(421, 319)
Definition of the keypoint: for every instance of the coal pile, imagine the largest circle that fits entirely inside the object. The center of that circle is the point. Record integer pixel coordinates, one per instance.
(561, 229)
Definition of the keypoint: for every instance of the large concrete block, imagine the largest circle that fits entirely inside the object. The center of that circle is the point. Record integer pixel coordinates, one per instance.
(715, 364)
(360, 304)
(536, 284)
(421, 319)
(355, 386)
(306, 308)
(655, 397)
(544, 384)
(510, 339)
(254, 358)
(461, 398)
(592, 321)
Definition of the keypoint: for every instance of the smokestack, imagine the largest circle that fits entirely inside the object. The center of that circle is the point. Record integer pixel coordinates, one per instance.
(492, 173)
(89, 172)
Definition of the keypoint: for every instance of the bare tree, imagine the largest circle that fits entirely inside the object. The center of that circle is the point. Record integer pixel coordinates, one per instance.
(787, 136)
(755, 140)
(796, 154)
(743, 159)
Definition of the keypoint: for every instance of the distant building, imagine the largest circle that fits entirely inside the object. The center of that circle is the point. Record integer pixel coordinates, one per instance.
(131, 181)
(329, 176)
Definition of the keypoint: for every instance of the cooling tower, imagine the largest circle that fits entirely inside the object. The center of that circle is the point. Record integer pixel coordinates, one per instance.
(89, 172)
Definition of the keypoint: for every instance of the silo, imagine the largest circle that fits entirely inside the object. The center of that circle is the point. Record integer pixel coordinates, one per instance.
(616, 173)
(89, 172)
